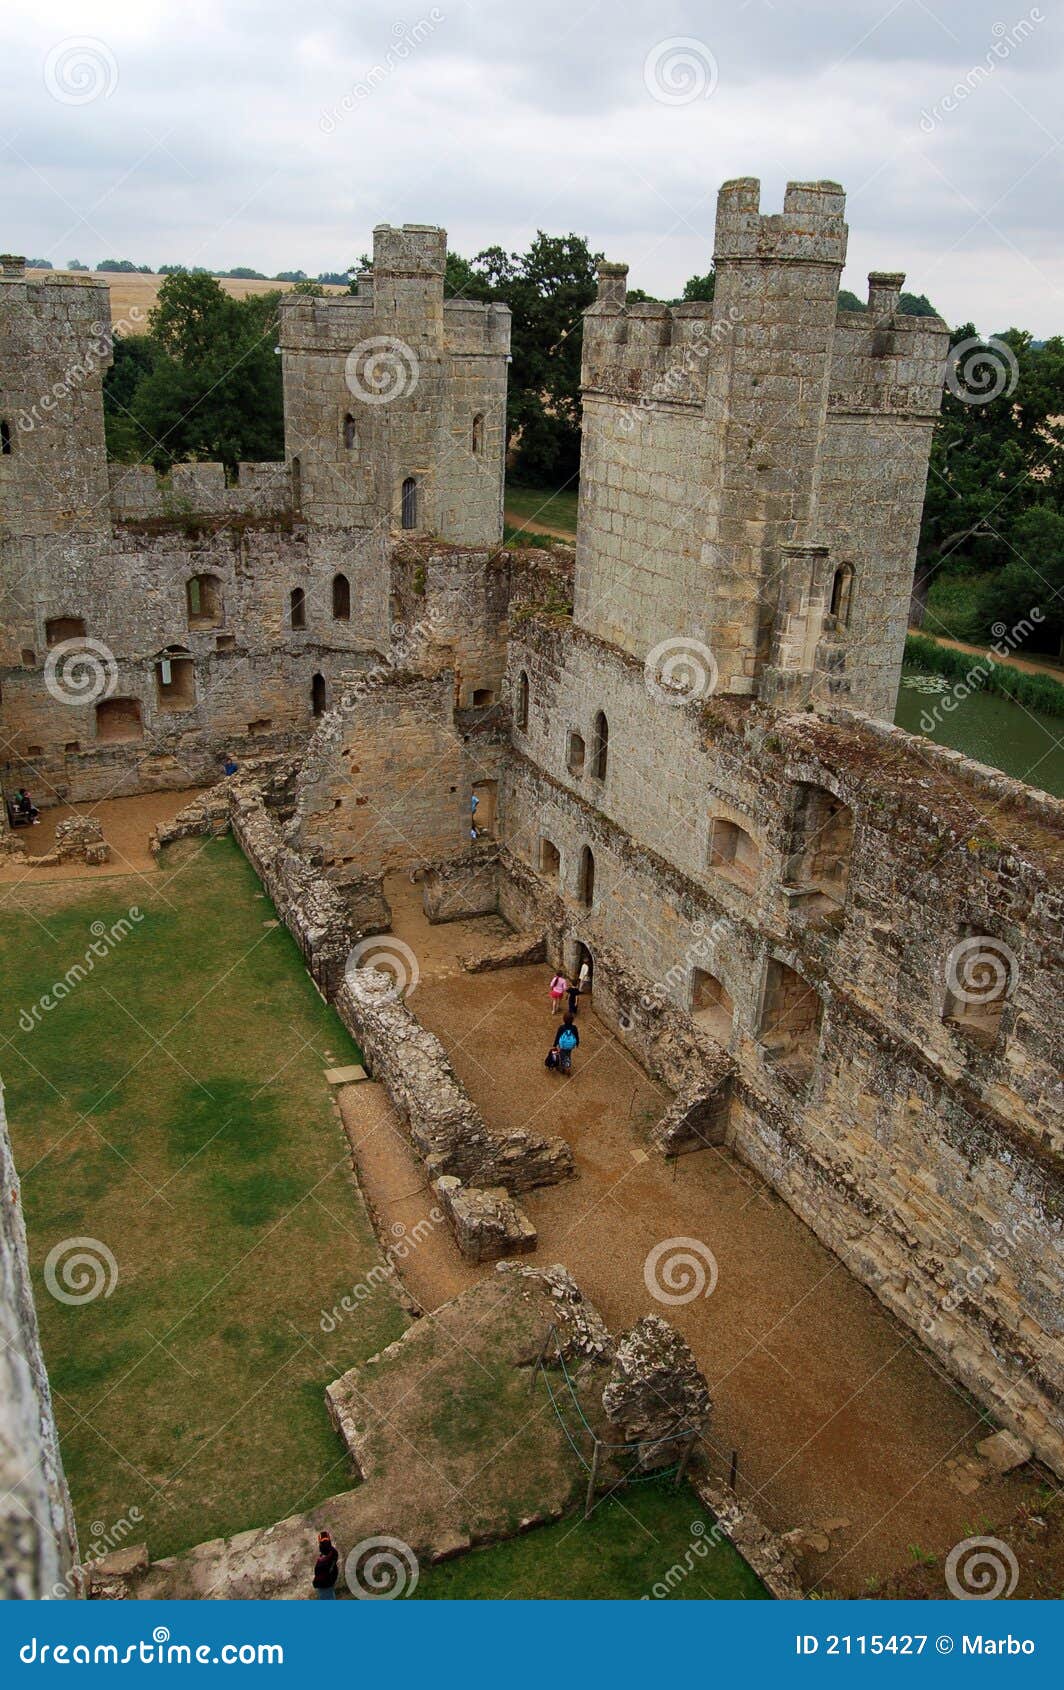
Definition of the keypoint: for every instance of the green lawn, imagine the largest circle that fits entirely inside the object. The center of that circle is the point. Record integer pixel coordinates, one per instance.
(651, 1539)
(172, 1107)
(539, 508)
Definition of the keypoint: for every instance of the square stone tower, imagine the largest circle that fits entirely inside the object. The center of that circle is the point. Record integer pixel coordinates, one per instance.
(395, 398)
(753, 469)
(55, 347)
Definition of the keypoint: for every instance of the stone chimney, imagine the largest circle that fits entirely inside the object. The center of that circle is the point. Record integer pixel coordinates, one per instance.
(612, 284)
(884, 290)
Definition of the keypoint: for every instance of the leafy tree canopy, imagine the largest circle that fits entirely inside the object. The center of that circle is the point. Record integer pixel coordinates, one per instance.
(204, 383)
(995, 487)
(547, 289)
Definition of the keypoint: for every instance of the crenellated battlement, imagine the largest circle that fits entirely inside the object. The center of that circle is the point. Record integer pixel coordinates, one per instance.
(139, 493)
(646, 352)
(395, 397)
(885, 362)
(649, 353)
(811, 229)
(401, 294)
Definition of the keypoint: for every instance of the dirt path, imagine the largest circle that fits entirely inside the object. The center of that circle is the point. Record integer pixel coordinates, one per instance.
(836, 1411)
(1031, 665)
(399, 1197)
(128, 824)
(535, 527)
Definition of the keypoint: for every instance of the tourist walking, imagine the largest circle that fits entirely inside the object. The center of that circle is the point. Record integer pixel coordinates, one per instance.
(558, 988)
(566, 1042)
(583, 980)
(574, 998)
(326, 1568)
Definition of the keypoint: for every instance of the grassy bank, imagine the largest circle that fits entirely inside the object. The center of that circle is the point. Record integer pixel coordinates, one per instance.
(1035, 692)
(651, 1539)
(539, 509)
(171, 1109)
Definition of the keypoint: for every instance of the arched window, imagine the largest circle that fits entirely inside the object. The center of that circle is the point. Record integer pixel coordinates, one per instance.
(341, 599)
(409, 513)
(317, 695)
(297, 607)
(842, 593)
(478, 432)
(585, 890)
(711, 1004)
(600, 746)
(732, 851)
(521, 714)
(175, 679)
(350, 433)
(821, 845)
(5, 439)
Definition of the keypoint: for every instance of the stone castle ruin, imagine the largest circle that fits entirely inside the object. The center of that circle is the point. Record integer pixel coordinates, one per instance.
(679, 738)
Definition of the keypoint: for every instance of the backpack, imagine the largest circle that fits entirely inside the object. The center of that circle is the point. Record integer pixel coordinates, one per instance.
(551, 1059)
(567, 1039)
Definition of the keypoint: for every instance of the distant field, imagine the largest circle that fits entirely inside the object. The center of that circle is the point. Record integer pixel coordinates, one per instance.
(129, 290)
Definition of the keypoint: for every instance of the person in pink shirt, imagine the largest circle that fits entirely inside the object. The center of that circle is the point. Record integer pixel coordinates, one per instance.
(558, 988)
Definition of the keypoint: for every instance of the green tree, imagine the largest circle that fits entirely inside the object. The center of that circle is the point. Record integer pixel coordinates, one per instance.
(1031, 580)
(211, 385)
(134, 359)
(701, 287)
(916, 305)
(548, 288)
(992, 458)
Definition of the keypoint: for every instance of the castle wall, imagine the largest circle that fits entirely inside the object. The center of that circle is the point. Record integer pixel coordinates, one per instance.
(252, 688)
(885, 384)
(38, 1543)
(199, 489)
(927, 1159)
(390, 773)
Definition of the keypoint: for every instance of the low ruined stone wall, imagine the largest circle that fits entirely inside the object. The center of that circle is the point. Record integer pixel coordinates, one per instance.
(38, 1545)
(311, 909)
(199, 489)
(447, 1130)
(459, 887)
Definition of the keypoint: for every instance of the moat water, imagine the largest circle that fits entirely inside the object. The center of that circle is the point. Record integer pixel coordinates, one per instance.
(1026, 744)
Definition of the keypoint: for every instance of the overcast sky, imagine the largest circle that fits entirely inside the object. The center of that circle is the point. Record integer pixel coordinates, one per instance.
(224, 132)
